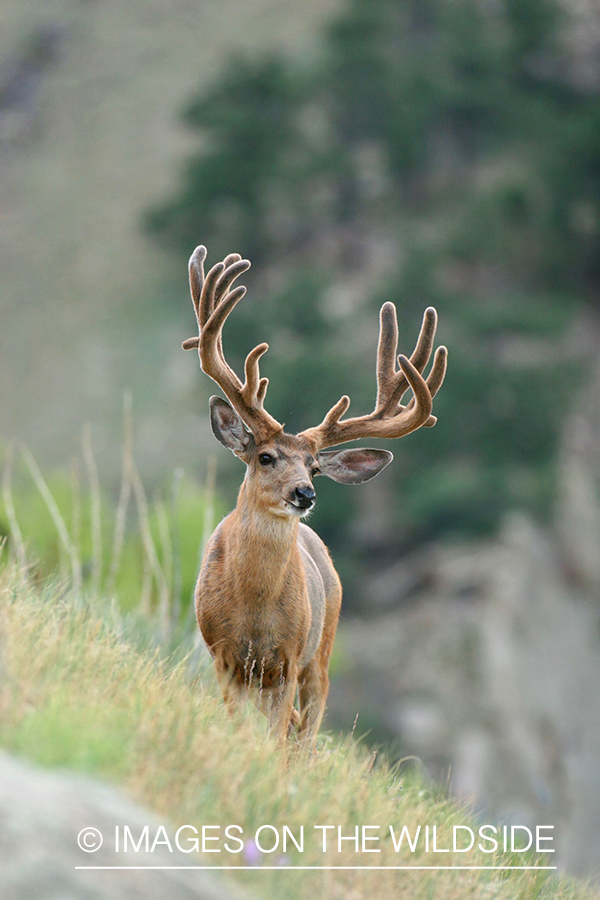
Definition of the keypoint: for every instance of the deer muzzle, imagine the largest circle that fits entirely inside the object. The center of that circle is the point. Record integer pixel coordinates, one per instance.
(304, 497)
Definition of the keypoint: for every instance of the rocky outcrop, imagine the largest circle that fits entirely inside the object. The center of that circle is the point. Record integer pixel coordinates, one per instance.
(484, 661)
(578, 519)
(41, 816)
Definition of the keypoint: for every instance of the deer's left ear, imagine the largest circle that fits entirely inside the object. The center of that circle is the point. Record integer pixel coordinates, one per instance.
(353, 466)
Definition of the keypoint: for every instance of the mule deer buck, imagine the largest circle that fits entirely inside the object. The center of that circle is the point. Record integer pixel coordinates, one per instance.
(268, 597)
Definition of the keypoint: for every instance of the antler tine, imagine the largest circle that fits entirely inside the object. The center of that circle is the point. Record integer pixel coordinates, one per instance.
(393, 384)
(420, 355)
(422, 396)
(196, 270)
(389, 419)
(438, 371)
(234, 267)
(213, 301)
(436, 379)
(263, 384)
(386, 356)
(254, 384)
(208, 296)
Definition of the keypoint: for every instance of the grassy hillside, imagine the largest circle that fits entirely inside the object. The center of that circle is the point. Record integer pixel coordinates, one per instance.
(76, 693)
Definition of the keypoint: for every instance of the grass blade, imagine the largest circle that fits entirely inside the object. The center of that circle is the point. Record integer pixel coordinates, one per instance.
(9, 506)
(95, 506)
(124, 497)
(59, 522)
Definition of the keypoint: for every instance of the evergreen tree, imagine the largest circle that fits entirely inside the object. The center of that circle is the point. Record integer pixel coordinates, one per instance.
(490, 161)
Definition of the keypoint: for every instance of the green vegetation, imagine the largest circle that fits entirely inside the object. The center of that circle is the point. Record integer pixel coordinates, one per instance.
(455, 134)
(77, 694)
(142, 553)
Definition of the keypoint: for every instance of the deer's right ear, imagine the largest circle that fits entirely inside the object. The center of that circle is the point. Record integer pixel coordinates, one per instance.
(228, 428)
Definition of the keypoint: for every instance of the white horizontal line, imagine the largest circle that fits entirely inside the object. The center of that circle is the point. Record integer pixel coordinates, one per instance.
(354, 868)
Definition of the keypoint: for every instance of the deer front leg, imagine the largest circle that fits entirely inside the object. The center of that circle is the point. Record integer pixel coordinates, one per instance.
(314, 679)
(314, 687)
(277, 704)
(232, 691)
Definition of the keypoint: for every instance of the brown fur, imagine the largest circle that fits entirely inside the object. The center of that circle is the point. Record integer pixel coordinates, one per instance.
(268, 597)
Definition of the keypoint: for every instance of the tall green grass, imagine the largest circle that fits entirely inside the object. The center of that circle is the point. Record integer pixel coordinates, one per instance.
(76, 693)
(143, 552)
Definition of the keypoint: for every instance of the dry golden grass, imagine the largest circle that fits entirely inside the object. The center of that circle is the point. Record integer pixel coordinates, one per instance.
(75, 693)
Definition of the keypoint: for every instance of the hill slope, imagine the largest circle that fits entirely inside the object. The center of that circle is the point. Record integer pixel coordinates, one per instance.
(76, 694)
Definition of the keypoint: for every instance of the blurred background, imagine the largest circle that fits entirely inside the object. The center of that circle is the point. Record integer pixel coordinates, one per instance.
(441, 152)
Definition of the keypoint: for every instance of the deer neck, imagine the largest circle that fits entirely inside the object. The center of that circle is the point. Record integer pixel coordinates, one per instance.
(265, 545)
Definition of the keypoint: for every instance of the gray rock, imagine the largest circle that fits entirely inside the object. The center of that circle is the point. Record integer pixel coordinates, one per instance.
(41, 815)
(490, 676)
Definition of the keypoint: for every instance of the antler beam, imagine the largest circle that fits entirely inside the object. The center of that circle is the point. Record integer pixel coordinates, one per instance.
(213, 301)
(390, 419)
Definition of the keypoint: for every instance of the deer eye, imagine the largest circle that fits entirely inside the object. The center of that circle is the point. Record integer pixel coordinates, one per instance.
(265, 459)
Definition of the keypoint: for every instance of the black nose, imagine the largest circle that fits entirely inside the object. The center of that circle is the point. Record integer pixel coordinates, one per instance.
(304, 497)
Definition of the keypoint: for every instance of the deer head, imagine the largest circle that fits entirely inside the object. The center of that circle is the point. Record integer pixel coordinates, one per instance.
(281, 467)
